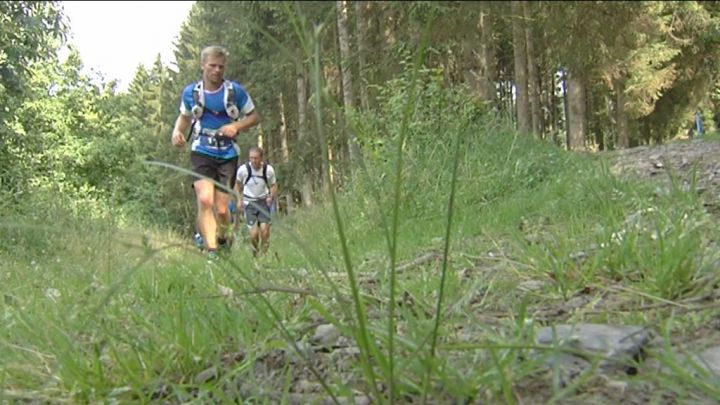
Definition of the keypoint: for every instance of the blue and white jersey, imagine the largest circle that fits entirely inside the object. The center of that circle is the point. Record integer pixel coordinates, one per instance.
(214, 116)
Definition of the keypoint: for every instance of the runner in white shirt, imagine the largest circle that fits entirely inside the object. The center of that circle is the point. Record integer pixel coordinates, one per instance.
(259, 189)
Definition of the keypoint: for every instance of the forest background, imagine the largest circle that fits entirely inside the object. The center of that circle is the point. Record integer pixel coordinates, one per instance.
(583, 76)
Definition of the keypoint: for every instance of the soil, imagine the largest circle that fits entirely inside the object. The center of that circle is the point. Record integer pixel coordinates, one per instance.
(681, 164)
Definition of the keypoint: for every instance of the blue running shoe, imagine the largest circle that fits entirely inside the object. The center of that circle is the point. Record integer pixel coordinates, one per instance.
(198, 240)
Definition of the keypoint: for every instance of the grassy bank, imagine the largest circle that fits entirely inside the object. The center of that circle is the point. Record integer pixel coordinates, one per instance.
(92, 311)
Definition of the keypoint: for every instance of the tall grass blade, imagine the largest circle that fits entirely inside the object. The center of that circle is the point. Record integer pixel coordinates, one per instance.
(362, 327)
(446, 252)
(407, 113)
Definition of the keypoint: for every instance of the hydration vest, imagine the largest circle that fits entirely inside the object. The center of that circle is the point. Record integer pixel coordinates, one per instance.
(198, 108)
(264, 172)
(198, 95)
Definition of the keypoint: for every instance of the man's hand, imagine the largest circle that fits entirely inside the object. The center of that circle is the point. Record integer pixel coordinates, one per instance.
(228, 130)
(232, 129)
(178, 138)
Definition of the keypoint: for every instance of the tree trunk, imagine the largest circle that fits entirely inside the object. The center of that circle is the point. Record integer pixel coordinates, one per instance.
(346, 72)
(566, 108)
(284, 150)
(576, 120)
(509, 95)
(488, 70)
(306, 187)
(387, 65)
(594, 130)
(623, 138)
(501, 94)
(521, 82)
(372, 42)
(533, 82)
(361, 37)
(331, 168)
(261, 136)
(550, 102)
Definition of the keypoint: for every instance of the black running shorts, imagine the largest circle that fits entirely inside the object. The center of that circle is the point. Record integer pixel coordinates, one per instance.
(221, 170)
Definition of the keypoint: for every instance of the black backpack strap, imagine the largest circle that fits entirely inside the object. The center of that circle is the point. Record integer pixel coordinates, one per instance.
(264, 173)
(249, 172)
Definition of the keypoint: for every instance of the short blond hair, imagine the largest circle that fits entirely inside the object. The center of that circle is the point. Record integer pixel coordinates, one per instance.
(212, 51)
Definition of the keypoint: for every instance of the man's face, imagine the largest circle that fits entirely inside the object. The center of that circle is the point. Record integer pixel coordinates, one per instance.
(255, 160)
(213, 69)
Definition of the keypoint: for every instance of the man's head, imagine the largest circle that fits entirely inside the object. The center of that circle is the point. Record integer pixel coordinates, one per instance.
(255, 156)
(212, 63)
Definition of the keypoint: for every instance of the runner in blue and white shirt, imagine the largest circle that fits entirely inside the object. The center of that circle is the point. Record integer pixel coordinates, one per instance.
(217, 122)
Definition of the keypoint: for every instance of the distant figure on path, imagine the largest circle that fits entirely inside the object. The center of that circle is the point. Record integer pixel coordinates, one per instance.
(698, 123)
(259, 190)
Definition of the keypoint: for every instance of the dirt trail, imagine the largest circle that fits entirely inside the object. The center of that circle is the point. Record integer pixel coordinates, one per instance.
(678, 162)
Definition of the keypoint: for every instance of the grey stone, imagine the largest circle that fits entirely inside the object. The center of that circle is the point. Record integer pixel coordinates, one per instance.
(567, 365)
(325, 335)
(531, 285)
(616, 345)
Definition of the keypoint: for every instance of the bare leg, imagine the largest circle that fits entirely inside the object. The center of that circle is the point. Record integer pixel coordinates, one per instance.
(223, 214)
(254, 238)
(265, 236)
(204, 192)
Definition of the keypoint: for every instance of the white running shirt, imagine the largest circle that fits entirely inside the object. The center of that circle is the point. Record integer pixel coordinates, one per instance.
(255, 189)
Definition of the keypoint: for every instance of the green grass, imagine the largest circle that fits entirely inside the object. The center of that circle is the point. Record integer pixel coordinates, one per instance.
(92, 312)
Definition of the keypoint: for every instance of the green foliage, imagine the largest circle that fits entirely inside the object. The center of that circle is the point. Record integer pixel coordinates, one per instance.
(692, 70)
(30, 33)
(428, 136)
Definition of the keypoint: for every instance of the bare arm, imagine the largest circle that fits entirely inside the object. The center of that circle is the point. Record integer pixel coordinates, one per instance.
(273, 190)
(182, 123)
(273, 194)
(238, 196)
